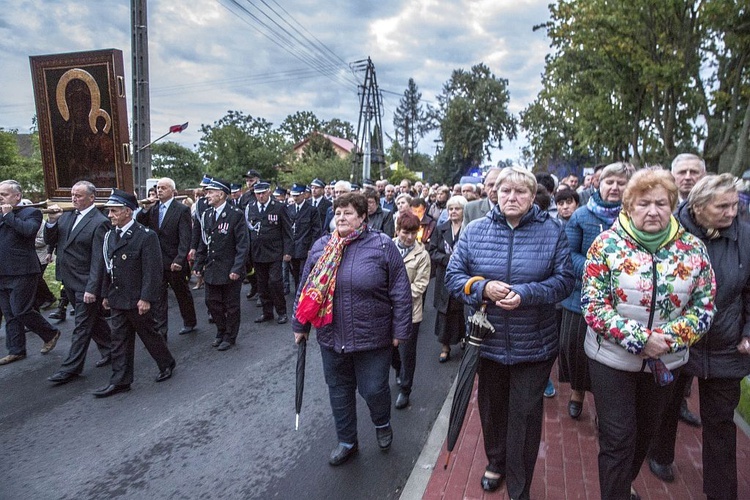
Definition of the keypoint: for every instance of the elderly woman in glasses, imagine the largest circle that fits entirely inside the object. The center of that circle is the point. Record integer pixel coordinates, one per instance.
(516, 260)
(722, 357)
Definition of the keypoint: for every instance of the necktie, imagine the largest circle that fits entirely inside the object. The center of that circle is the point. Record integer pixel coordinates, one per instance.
(118, 234)
(262, 209)
(162, 211)
(297, 208)
(76, 220)
(216, 215)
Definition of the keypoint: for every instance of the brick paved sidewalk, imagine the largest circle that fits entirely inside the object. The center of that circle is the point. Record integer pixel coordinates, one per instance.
(567, 464)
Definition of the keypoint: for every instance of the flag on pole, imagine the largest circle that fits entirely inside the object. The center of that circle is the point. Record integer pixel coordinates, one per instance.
(177, 128)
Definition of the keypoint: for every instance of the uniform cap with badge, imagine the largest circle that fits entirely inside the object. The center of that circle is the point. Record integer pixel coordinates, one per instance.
(120, 198)
(261, 187)
(297, 189)
(317, 183)
(219, 184)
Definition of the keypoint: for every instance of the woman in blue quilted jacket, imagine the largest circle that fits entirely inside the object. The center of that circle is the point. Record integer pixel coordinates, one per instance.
(522, 258)
(586, 223)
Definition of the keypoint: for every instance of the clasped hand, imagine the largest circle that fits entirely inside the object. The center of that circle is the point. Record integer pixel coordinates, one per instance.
(501, 294)
(656, 346)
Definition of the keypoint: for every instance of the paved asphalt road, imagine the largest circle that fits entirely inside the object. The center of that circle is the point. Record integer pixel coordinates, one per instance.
(222, 427)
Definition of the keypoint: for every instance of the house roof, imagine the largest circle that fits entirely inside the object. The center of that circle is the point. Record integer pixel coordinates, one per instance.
(344, 144)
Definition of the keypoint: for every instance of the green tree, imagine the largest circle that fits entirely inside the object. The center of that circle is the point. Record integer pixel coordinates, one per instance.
(642, 80)
(339, 128)
(27, 171)
(300, 125)
(473, 118)
(184, 166)
(319, 147)
(238, 142)
(315, 165)
(410, 121)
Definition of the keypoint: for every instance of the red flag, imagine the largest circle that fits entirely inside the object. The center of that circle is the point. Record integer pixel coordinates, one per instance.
(177, 128)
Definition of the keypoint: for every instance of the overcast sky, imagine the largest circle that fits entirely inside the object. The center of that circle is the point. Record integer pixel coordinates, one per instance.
(210, 56)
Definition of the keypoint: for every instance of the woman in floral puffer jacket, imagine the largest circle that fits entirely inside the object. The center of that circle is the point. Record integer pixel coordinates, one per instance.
(648, 291)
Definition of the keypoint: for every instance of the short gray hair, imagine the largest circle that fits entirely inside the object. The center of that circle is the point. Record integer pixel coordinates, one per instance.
(517, 175)
(15, 186)
(346, 185)
(681, 158)
(456, 200)
(169, 182)
(470, 185)
(403, 195)
(90, 188)
(619, 169)
(709, 187)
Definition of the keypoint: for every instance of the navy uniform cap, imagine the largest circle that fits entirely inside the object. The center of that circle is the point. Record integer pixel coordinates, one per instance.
(120, 198)
(318, 183)
(261, 187)
(234, 188)
(219, 184)
(297, 189)
(279, 191)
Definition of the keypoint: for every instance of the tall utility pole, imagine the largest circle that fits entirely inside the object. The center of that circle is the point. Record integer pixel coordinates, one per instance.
(370, 153)
(141, 128)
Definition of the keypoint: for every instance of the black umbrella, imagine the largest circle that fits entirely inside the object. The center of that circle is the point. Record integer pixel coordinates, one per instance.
(479, 328)
(301, 352)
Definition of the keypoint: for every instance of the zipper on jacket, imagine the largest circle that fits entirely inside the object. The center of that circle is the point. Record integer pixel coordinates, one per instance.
(507, 280)
(653, 301)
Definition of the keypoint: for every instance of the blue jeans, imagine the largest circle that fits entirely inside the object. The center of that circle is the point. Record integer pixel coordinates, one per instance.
(366, 371)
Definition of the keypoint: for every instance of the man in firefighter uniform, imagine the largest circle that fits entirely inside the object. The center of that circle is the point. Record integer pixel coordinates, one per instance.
(220, 260)
(131, 274)
(270, 244)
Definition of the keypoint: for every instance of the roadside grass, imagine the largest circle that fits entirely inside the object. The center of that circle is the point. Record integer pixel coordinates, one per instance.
(744, 407)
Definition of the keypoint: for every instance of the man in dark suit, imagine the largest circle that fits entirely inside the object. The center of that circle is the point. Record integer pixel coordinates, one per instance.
(306, 228)
(131, 282)
(19, 273)
(77, 239)
(270, 243)
(479, 208)
(221, 261)
(318, 199)
(170, 220)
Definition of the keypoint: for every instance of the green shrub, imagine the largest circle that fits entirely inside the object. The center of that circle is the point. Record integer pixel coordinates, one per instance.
(744, 407)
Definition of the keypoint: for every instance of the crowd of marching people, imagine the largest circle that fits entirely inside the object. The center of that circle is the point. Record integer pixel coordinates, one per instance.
(634, 282)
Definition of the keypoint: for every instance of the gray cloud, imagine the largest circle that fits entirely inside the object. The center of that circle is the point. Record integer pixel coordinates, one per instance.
(205, 60)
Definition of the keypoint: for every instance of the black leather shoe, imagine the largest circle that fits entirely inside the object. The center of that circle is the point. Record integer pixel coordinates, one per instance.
(224, 346)
(186, 329)
(689, 417)
(62, 377)
(106, 360)
(492, 483)
(663, 472)
(402, 401)
(216, 342)
(110, 390)
(58, 315)
(575, 408)
(263, 319)
(252, 293)
(166, 372)
(341, 454)
(282, 319)
(258, 303)
(385, 437)
(211, 319)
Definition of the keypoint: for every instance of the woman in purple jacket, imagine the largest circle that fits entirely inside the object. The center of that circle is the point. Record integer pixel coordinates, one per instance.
(357, 295)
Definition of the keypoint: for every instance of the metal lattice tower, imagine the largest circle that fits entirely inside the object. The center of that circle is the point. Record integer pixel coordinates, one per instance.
(141, 129)
(370, 153)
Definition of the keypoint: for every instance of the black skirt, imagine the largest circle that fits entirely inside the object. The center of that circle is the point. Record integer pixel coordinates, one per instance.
(450, 328)
(573, 363)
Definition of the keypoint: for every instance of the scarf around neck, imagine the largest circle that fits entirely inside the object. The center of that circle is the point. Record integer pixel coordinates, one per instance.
(315, 304)
(605, 210)
(650, 241)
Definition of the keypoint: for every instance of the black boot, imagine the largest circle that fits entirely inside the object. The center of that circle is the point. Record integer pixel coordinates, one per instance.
(60, 313)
